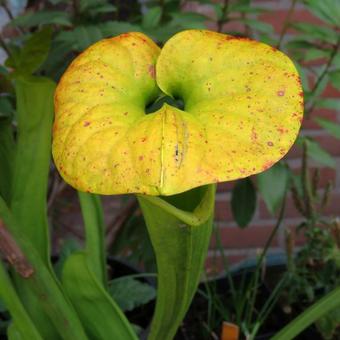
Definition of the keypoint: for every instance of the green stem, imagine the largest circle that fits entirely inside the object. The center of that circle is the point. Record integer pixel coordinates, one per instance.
(322, 75)
(15, 307)
(180, 239)
(42, 285)
(312, 314)
(92, 213)
(286, 23)
(256, 276)
(224, 16)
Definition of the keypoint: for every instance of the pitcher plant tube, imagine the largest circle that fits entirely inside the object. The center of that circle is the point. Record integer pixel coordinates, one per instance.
(242, 110)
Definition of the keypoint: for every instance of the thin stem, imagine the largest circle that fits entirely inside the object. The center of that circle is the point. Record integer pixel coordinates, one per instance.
(224, 16)
(323, 74)
(260, 261)
(286, 23)
(10, 16)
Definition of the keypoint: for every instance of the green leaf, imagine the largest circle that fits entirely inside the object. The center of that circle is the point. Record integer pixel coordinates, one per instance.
(188, 20)
(100, 315)
(130, 293)
(332, 127)
(320, 155)
(327, 10)
(34, 117)
(272, 185)
(335, 78)
(180, 228)
(322, 33)
(316, 53)
(40, 18)
(243, 202)
(152, 17)
(112, 28)
(325, 305)
(52, 314)
(21, 321)
(33, 53)
(258, 25)
(328, 103)
(101, 9)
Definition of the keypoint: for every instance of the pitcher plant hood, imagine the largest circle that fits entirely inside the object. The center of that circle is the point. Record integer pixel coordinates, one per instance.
(243, 107)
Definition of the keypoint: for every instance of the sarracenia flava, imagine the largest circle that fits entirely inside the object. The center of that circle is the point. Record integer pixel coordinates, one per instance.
(243, 107)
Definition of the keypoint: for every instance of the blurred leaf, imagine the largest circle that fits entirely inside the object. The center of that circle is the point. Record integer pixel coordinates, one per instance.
(245, 7)
(327, 10)
(152, 17)
(272, 185)
(102, 9)
(84, 36)
(320, 155)
(316, 53)
(6, 107)
(243, 202)
(188, 20)
(40, 18)
(335, 79)
(130, 293)
(328, 103)
(33, 53)
(299, 43)
(332, 127)
(112, 28)
(322, 33)
(258, 25)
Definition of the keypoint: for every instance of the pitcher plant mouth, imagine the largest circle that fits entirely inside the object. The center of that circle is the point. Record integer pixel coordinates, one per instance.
(193, 207)
(240, 111)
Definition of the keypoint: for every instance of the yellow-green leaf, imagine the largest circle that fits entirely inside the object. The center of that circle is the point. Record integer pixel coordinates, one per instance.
(243, 108)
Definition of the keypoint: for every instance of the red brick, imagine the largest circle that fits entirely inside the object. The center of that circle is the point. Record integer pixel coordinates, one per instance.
(278, 18)
(331, 91)
(225, 186)
(333, 206)
(329, 143)
(223, 211)
(254, 236)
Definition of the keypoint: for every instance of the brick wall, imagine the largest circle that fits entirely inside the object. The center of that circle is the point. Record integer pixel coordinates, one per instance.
(242, 244)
